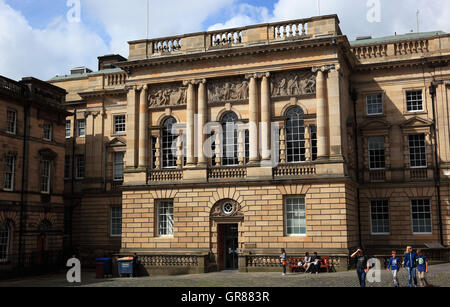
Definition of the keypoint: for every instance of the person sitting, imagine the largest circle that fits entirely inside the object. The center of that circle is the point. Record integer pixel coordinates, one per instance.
(307, 262)
(315, 263)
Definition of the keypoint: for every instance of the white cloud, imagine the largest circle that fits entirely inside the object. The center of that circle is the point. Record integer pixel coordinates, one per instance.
(44, 53)
(243, 15)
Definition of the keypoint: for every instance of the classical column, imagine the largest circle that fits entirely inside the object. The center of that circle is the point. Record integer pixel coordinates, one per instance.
(253, 119)
(202, 117)
(322, 120)
(265, 117)
(190, 158)
(132, 119)
(143, 128)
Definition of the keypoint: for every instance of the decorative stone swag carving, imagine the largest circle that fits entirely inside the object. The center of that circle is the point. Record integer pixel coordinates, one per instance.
(229, 89)
(167, 95)
(293, 83)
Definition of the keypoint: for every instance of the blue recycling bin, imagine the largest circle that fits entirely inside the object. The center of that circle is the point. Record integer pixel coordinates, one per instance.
(125, 266)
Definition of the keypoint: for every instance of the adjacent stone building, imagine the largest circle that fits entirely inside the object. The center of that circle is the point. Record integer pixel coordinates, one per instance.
(315, 143)
(32, 153)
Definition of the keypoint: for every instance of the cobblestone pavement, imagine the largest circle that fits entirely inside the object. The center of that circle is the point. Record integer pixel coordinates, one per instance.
(439, 275)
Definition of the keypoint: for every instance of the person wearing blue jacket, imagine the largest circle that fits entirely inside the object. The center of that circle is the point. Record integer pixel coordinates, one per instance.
(394, 266)
(410, 263)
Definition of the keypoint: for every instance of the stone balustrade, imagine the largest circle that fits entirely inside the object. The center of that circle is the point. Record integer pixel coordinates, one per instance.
(169, 260)
(418, 174)
(165, 175)
(238, 37)
(115, 79)
(227, 173)
(288, 170)
(7, 85)
(262, 261)
(377, 175)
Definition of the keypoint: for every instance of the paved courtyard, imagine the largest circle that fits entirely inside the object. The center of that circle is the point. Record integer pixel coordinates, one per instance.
(439, 275)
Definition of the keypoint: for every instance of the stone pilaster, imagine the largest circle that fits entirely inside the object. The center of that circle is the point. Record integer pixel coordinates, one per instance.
(202, 118)
(132, 119)
(190, 139)
(143, 128)
(253, 118)
(265, 118)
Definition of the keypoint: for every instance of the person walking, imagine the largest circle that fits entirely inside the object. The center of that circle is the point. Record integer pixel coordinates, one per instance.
(422, 268)
(283, 260)
(394, 267)
(410, 263)
(362, 266)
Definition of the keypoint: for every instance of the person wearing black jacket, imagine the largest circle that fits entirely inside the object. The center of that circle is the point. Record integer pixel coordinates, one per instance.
(362, 266)
(315, 263)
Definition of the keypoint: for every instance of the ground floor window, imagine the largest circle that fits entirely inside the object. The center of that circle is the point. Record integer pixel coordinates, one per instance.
(116, 222)
(379, 210)
(165, 218)
(295, 216)
(4, 242)
(421, 216)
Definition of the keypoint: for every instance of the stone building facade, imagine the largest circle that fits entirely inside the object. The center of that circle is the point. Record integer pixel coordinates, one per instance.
(31, 170)
(315, 143)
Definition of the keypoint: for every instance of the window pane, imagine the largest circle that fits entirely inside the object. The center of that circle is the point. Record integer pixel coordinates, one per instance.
(45, 176)
(380, 216)
(48, 131)
(119, 124)
(421, 216)
(295, 136)
(374, 104)
(417, 150)
(414, 101)
(118, 165)
(230, 139)
(10, 162)
(376, 153)
(11, 122)
(169, 159)
(68, 128)
(4, 241)
(80, 167)
(81, 128)
(165, 218)
(295, 216)
(116, 221)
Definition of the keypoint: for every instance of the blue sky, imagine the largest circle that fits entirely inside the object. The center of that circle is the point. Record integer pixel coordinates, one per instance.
(37, 39)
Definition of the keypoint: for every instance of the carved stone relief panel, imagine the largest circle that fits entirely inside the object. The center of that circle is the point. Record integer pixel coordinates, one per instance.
(167, 95)
(229, 89)
(293, 83)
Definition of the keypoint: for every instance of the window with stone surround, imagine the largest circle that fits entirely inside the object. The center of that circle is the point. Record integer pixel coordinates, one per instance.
(48, 131)
(5, 239)
(374, 104)
(118, 166)
(414, 101)
(81, 125)
(68, 129)
(45, 176)
(169, 159)
(377, 159)
(421, 216)
(165, 218)
(119, 124)
(379, 216)
(295, 136)
(10, 166)
(417, 151)
(230, 139)
(11, 121)
(116, 222)
(79, 167)
(295, 216)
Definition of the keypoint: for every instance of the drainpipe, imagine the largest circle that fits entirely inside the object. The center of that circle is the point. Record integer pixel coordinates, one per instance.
(437, 168)
(26, 111)
(354, 96)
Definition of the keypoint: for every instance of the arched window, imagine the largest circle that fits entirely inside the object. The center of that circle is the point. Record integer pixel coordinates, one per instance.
(169, 159)
(230, 154)
(4, 241)
(295, 135)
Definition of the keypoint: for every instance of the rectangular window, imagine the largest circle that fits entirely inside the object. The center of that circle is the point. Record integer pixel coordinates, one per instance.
(295, 216)
(119, 124)
(417, 151)
(81, 128)
(11, 122)
(79, 167)
(116, 222)
(48, 131)
(67, 167)
(68, 129)
(165, 218)
(377, 158)
(379, 212)
(45, 176)
(10, 164)
(374, 103)
(421, 216)
(314, 143)
(414, 101)
(118, 165)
